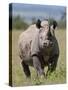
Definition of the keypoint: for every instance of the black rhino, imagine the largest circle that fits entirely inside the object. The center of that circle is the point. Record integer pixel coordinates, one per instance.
(38, 47)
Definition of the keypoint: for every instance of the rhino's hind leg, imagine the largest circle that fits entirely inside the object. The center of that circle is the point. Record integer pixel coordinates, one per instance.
(26, 69)
(37, 66)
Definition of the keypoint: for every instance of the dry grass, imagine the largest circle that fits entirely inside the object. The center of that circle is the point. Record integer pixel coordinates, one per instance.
(57, 77)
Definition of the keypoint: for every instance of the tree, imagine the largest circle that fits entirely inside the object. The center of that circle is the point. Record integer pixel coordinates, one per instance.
(19, 23)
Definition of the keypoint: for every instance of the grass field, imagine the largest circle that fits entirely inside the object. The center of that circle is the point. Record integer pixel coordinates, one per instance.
(57, 77)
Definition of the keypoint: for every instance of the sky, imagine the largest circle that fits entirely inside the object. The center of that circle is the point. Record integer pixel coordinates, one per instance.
(28, 11)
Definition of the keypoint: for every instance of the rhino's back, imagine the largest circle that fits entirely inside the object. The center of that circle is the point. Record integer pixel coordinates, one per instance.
(27, 35)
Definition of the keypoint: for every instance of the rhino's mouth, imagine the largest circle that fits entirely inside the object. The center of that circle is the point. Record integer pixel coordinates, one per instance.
(47, 50)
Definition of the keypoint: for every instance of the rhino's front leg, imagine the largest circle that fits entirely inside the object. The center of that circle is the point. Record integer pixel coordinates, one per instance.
(37, 65)
(52, 64)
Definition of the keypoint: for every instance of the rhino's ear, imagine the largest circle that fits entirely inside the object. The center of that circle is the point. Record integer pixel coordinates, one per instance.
(38, 24)
(54, 24)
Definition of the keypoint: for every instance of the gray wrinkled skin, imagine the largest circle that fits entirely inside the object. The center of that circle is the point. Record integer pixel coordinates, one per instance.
(31, 42)
(26, 41)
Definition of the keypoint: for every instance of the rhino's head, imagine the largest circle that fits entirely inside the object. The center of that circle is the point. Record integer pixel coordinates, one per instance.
(45, 37)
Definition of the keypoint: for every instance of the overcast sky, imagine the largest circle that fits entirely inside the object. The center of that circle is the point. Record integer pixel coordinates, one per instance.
(28, 11)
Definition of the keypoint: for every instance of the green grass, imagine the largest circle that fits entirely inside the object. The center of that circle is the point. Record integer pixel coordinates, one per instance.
(57, 77)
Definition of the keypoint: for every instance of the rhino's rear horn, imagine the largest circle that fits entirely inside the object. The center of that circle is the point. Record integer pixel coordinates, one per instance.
(38, 24)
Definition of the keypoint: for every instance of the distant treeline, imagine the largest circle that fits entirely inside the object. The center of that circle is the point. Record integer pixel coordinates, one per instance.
(19, 23)
(61, 24)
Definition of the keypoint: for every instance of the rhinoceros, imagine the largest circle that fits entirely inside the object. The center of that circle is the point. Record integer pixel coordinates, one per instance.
(38, 48)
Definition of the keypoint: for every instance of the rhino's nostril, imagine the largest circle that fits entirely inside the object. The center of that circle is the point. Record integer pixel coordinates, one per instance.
(45, 44)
